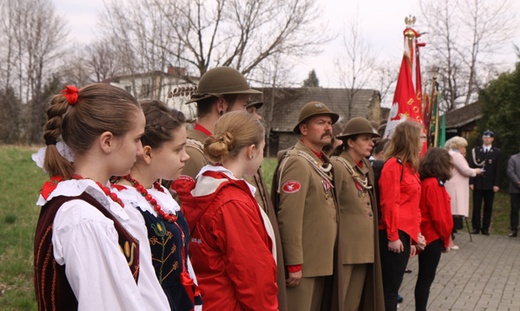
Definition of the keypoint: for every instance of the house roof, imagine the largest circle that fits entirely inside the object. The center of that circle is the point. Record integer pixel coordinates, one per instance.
(464, 115)
(289, 101)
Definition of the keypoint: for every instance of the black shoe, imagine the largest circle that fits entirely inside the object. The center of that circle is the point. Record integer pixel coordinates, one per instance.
(485, 232)
(513, 234)
(475, 231)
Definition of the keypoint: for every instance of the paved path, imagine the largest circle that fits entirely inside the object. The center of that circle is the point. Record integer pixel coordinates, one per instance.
(481, 275)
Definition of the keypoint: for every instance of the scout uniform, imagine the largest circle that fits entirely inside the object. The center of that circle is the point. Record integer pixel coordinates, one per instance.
(308, 221)
(195, 149)
(359, 225)
(215, 83)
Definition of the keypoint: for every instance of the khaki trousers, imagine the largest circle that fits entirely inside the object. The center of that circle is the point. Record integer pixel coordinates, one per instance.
(308, 295)
(353, 282)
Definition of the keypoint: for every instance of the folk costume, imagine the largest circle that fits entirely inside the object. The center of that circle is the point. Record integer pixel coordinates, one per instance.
(85, 254)
(168, 242)
(400, 194)
(489, 160)
(232, 247)
(358, 233)
(436, 226)
(308, 221)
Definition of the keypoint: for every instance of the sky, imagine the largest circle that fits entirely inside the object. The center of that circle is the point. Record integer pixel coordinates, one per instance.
(382, 22)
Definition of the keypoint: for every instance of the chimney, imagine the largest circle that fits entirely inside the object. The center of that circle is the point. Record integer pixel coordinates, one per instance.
(177, 71)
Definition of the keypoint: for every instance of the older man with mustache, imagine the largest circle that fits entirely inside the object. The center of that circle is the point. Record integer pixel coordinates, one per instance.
(308, 214)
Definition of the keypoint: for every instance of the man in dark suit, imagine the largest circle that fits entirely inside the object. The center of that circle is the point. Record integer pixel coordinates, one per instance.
(484, 185)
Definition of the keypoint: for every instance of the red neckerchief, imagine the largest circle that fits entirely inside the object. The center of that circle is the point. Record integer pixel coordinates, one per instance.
(318, 154)
(202, 129)
(360, 164)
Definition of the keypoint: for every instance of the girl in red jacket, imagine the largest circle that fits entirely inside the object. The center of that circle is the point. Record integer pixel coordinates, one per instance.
(436, 222)
(232, 248)
(399, 192)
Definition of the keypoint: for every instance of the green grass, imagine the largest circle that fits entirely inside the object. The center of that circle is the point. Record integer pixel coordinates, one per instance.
(21, 181)
(268, 167)
(501, 210)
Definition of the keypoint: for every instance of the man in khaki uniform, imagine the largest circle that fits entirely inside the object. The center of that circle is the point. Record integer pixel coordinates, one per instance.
(264, 200)
(307, 213)
(220, 90)
(354, 181)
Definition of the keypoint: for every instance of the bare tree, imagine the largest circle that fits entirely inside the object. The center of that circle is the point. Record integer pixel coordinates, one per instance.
(35, 38)
(466, 36)
(75, 69)
(101, 58)
(386, 77)
(357, 63)
(200, 34)
(272, 74)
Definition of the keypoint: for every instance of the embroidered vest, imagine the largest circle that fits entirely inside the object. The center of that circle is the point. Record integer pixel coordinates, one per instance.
(53, 291)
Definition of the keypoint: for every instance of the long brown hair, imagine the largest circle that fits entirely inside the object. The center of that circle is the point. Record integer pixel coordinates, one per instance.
(404, 143)
(99, 108)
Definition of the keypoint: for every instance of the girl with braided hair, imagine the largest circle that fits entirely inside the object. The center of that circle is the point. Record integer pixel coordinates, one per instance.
(85, 254)
(164, 156)
(232, 247)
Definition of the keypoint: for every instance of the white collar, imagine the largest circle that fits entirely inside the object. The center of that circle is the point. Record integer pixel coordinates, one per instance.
(75, 187)
(220, 168)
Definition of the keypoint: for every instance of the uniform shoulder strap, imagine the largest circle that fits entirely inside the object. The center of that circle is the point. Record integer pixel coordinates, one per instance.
(402, 167)
(197, 145)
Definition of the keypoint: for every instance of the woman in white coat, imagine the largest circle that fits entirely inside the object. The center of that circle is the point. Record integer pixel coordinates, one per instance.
(458, 185)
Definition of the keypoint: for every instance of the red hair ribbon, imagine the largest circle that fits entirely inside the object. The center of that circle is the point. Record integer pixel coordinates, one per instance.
(71, 94)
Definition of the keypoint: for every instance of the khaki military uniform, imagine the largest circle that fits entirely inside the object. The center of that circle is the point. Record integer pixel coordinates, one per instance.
(195, 149)
(264, 200)
(358, 234)
(308, 222)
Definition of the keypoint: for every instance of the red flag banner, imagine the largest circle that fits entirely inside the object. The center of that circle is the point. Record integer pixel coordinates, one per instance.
(407, 103)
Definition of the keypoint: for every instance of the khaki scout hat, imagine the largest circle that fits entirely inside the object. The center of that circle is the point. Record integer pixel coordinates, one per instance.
(221, 81)
(358, 126)
(255, 103)
(313, 109)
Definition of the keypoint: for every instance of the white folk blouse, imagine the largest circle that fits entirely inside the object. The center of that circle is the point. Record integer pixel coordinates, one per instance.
(87, 243)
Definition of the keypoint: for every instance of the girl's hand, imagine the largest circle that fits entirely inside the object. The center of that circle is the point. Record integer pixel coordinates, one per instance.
(421, 241)
(396, 246)
(413, 251)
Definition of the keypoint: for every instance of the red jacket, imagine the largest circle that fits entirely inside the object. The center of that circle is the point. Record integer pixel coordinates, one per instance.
(399, 195)
(437, 221)
(230, 249)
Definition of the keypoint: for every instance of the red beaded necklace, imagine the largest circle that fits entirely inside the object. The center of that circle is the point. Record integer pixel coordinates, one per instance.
(148, 197)
(105, 189)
